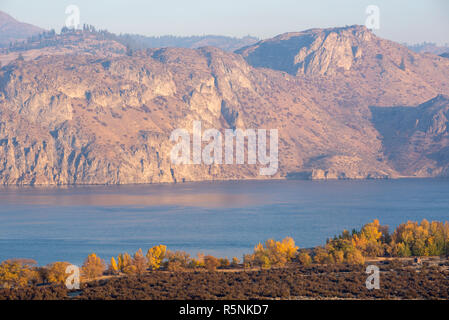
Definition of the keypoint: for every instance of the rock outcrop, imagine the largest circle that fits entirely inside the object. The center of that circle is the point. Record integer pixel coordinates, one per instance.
(416, 140)
(86, 118)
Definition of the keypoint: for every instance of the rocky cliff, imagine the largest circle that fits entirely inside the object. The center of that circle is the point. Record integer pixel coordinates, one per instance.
(416, 140)
(95, 119)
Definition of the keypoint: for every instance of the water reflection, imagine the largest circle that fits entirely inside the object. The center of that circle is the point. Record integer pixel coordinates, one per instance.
(206, 195)
(221, 218)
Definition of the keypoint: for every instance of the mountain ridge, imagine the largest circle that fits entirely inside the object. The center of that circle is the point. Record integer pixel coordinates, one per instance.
(12, 30)
(89, 119)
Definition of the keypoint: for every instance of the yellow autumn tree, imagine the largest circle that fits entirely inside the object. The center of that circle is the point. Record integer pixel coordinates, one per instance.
(113, 267)
(211, 263)
(93, 267)
(424, 239)
(368, 240)
(275, 253)
(57, 272)
(354, 256)
(125, 263)
(155, 256)
(14, 273)
(260, 256)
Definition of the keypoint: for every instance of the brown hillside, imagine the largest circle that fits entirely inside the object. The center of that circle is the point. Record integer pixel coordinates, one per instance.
(87, 118)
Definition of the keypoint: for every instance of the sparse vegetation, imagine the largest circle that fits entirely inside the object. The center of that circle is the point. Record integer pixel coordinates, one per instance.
(399, 281)
(350, 249)
(93, 267)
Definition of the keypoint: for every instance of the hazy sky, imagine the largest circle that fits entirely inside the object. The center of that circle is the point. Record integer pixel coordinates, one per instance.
(400, 20)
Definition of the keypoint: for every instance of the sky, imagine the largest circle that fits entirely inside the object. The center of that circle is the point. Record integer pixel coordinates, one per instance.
(411, 21)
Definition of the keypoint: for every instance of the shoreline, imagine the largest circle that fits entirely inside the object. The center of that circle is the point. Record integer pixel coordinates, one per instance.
(44, 186)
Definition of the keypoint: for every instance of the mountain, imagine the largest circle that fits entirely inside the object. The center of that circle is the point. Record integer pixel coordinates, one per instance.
(416, 140)
(104, 119)
(12, 30)
(193, 42)
(102, 43)
(429, 47)
(355, 56)
(97, 44)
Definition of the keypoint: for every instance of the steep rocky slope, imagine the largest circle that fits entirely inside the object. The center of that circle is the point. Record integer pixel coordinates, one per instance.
(382, 71)
(416, 140)
(82, 118)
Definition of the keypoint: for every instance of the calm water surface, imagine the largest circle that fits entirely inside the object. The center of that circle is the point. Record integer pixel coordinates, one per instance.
(221, 218)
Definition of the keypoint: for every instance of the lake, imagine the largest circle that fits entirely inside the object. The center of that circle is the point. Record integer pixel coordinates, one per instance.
(221, 218)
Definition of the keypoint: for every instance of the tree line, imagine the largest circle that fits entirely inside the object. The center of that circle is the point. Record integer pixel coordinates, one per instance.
(372, 240)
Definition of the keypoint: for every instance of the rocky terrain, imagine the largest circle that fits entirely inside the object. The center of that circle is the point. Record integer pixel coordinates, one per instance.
(416, 140)
(91, 117)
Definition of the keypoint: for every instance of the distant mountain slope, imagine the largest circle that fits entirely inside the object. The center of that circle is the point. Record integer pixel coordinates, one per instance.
(193, 42)
(104, 43)
(98, 44)
(416, 139)
(12, 30)
(102, 114)
(428, 47)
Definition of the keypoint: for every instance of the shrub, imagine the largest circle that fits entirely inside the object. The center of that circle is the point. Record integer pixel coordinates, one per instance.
(211, 263)
(235, 262)
(321, 256)
(177, 261)
(304, 258)
(355, 257)
(248, 261)
(125, 263)
(139, 262)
